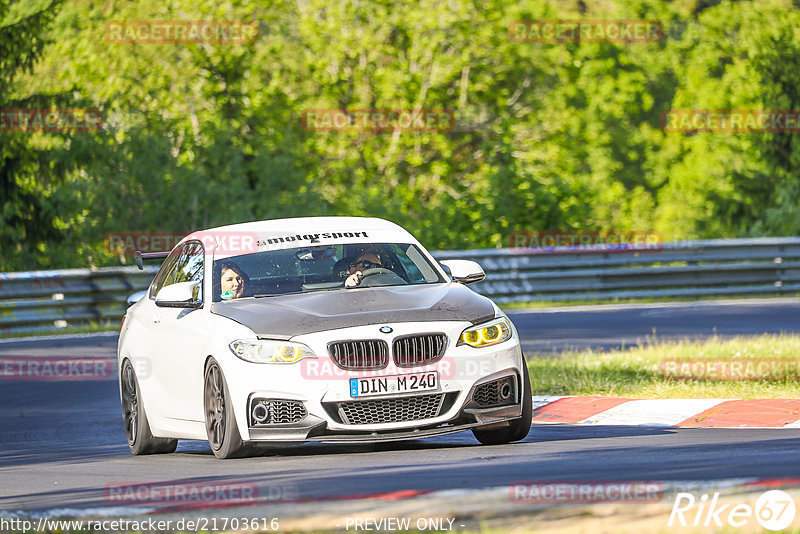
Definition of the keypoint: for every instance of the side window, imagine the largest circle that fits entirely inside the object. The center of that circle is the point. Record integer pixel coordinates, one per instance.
(414, 264)
(166, 274)
(190, 266)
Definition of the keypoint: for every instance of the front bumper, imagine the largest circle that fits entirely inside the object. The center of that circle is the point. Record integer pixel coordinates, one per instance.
(403, 435)
(330, 414)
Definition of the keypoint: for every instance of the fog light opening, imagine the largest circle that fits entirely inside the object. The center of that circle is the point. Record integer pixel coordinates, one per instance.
(505, 391)
(260, 413)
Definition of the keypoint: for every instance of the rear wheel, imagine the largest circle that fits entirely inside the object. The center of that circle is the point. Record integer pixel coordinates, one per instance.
(137, 429)
(518, 428)
(223, 434)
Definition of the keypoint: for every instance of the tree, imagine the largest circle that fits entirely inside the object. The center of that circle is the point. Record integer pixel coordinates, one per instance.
(31, 163)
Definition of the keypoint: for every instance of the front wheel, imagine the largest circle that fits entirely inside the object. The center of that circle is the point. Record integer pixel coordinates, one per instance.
(223, 434)
(137, 429)
(516, 429)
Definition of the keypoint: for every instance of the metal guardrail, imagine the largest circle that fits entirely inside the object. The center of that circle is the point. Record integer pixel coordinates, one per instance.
(47, 300)
(681, 269)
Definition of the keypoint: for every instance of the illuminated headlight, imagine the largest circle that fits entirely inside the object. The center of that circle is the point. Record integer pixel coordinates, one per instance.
(487, 334)
(268, 351)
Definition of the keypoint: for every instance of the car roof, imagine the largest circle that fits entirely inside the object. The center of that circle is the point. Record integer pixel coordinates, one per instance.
(311, 224)
(276, 234)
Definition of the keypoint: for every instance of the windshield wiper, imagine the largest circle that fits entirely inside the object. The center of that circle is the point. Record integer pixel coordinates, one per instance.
(296, 292)
(278, 294)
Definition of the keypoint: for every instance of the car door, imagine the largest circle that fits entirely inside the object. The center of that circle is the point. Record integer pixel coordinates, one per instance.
(181, 338)
(142, 341)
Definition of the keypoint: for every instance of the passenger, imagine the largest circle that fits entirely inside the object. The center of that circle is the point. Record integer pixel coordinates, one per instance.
(232, 281)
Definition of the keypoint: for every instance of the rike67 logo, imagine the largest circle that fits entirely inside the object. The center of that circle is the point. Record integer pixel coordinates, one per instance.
(774, 510)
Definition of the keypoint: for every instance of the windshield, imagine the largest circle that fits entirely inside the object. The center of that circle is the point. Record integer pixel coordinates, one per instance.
(321, 268)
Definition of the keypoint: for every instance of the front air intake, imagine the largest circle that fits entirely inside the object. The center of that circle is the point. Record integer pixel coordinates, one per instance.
(276, 412)
(501, 392)
(377, 411)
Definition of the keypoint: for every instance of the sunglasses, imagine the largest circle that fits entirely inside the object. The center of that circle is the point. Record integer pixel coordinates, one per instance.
(367, 264)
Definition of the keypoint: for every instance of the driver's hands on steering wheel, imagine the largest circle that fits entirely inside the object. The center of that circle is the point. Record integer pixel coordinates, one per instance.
(353, 280)
(358, 277)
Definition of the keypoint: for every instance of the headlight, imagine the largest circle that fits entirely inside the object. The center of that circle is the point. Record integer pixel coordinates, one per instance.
(487, 334)
(268, 351)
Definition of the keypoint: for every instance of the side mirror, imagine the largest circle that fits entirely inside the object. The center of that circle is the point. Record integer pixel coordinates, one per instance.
(464, 271)
(180, 295)
(136, 297)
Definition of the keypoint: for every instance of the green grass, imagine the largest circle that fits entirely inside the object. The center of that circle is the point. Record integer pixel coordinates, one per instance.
(635, 372)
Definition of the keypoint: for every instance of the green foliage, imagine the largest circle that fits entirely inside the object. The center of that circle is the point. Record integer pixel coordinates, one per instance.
(27, 166)
(548, 136)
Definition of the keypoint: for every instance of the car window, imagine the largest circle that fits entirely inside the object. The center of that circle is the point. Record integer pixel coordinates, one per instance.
(190, 266)
(415, 264)
(166, 274)
(325, 268)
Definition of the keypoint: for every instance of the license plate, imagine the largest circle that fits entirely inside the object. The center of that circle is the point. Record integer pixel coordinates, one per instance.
(392, 385)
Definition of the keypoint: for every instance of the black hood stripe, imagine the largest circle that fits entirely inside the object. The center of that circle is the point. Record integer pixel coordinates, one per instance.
(283, 317)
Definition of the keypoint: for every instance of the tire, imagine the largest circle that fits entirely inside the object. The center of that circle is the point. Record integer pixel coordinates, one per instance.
(223, 434)
(137, 429)
(518, 428)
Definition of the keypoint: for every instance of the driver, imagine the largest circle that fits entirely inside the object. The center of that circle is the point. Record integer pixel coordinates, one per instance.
(368, 260)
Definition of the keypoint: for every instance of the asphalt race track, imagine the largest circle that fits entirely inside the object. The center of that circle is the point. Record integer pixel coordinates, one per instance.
(613, 326)
(62, 443)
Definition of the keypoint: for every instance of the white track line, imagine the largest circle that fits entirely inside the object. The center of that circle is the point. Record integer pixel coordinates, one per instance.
(658, 412)
(543, 400)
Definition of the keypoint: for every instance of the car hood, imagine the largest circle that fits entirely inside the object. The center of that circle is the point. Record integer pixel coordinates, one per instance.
(282, 317)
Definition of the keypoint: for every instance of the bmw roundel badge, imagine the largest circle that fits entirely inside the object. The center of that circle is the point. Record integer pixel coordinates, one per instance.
(386, 329)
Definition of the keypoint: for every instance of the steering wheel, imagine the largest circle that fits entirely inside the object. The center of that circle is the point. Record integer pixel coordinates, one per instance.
(376, 273)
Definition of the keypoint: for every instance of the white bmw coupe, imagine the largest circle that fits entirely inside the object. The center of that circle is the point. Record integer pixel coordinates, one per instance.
(332, 329)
